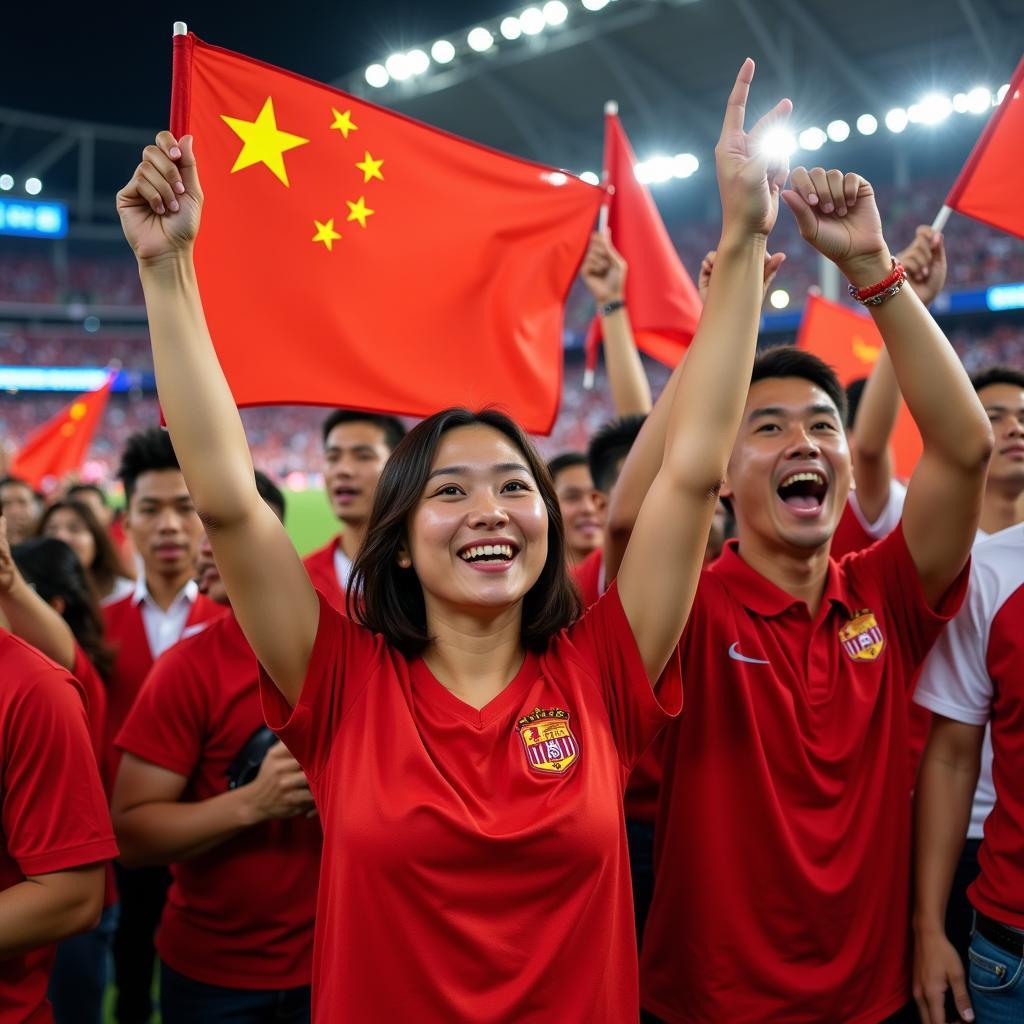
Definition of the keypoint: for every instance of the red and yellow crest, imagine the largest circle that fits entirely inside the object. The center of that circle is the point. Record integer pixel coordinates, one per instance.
(548, 740)
(862, 637)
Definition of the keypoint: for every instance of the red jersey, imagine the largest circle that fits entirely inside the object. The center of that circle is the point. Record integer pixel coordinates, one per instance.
(589, 575)
(323, 574)
(240, 915)
(475, 864)
(783, 834)
(44, 827)
(855, 533)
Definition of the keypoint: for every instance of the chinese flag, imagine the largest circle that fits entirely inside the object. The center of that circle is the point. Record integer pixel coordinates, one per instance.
(60, 445)
(350, 256)
(851, 344)
(663, 302)
(991, 185)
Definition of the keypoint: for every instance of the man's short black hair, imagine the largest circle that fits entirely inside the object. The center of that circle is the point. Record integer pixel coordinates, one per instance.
(392, 427)
(20, 482)
(566, 460)
(144, 452)
(270, 493)
(788, 361)
(76, 489)
(854, 393)
(608, 447)
(997, 375)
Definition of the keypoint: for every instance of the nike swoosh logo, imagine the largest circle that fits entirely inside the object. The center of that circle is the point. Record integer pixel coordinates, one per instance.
(736, 656)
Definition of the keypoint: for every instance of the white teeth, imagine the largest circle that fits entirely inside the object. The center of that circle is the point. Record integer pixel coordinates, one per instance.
(485, 550)
(815, 478)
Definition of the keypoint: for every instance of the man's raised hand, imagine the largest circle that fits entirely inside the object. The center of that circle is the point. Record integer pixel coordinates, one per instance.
(925, 262)
(772, 262)
(603, 270)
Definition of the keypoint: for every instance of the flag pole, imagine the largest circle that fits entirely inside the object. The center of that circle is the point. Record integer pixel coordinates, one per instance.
(180, 28)
(941, 217)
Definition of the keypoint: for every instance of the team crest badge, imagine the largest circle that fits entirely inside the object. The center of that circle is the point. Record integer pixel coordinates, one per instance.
(548, 740)
(862, 637)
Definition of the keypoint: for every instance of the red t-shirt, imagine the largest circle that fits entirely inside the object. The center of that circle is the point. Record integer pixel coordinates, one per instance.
(53, 812)
(324, 576)
(587, 575)
(240, 915)
(475, 864)
(783, 834)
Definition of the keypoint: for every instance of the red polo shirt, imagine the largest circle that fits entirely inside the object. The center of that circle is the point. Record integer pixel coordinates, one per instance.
(53, 812)
(240, 915)
(324, 576)
(475, 864)
(783, 833)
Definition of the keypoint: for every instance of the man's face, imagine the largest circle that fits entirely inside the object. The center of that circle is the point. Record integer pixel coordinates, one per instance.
(354, 455)
(789, 472)
(21, 509)
(1004, 404)
(582, 509)
(100, 509)
(163, 524)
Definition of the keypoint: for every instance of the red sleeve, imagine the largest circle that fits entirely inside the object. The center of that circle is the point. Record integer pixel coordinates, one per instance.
(54, 812)
(345, 658)
(604, 640)
(167, 722)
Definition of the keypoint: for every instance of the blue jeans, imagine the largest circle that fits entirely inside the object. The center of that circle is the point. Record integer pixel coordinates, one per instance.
(185, 1001)
(997, 983)
(81, 972)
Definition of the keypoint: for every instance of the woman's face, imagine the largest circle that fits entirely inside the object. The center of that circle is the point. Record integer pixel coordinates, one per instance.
(65, 525)
(478, 538)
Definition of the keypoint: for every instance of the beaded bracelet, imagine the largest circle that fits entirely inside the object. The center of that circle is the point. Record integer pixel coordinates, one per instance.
(610, 307)
(876, 294)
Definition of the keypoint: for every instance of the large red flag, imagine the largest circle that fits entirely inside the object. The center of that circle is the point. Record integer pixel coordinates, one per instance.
(990, 187)
(663, 302)
(60, 445)
(851, 344)
(351, 256)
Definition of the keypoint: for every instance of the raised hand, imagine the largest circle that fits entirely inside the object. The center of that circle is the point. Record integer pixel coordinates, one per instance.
(772, 262)
(160, 207)
(925, 263)
(749, 180)
(603, 270)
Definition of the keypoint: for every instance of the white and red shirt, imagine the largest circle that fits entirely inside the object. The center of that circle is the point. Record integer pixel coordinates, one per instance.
(475, 864)
(975, 675)
(329, 570)
(782, 844)
(855, 533)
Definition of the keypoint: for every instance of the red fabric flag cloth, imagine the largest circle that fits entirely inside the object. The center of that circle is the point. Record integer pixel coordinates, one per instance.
(351, 256)
(60, 445)
(664, 305)
(850, 343)
(990, 187)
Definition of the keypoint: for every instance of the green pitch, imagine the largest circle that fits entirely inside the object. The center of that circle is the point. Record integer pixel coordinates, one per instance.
(309, 519)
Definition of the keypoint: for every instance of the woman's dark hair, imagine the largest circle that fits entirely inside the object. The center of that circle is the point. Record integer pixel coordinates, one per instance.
(389, 599)
(106, 566)
(53, 570)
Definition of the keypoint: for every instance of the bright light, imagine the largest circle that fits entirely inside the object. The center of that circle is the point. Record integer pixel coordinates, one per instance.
(595, 5)
(480, 39)
(960, 102)
(684, 164)
(779, 298)
(838, 131)
(33, 186)
(812, 138)
(377, 76)
(1002, 91)
(655, 171)
(778, 144)
(867, 124)
(6, 182)
(397, 66)
(417, 61)
(510, 28)
(558, 178)
(443, 52)
(933, 109)
(531, 21)
(555, 12)
(896, 119)
(588, 176)
(979, 99)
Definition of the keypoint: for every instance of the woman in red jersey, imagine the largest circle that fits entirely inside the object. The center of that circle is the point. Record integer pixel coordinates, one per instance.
(467, 741)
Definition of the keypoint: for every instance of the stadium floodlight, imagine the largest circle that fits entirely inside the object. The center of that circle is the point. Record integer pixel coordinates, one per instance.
(655, 171)
(932, 109)
(778, 144)
(6, 182)
(812, 138)
(443, 52)
(595, 5)
(867, 124)
(779, 298)
(377, 76)
(588, 176)
(555, 12)
(531, 21)
(417, 62)
(684, 165)
(33, 186)
(1000, 93)
(479, 39)
(397, 66)
(838, 131)
(896, 120)
(510, 28)
(979, 100)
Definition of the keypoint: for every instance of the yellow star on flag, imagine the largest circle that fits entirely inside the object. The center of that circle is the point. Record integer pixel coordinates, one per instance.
(325, 233)
(264, 142)
(343, 122)
(78, 411)
(370, 168)
(359, 210)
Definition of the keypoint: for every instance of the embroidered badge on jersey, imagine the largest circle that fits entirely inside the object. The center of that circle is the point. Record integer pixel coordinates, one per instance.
(548, 740)
(862, 637)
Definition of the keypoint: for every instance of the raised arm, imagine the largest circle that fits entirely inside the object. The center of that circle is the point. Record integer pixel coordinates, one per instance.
(268, 586)
(663, 560)
(837, 214)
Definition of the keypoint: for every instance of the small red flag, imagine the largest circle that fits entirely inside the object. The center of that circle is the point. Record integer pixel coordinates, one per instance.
(60, 445)
(664, 305)
(851, 344)
(990, 187)
(351, 256)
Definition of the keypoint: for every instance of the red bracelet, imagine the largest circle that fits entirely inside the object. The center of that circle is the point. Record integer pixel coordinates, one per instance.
(876, 294)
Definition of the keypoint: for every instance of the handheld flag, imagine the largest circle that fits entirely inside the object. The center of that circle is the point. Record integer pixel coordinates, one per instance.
(351, 256)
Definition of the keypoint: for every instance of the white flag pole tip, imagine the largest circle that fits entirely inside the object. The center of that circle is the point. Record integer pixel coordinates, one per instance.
(602, 218)
(611, 107)
(588, 380)
(940, 220)
(180, 28)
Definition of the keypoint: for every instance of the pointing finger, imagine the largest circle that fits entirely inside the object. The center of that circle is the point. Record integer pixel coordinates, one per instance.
(736, 108)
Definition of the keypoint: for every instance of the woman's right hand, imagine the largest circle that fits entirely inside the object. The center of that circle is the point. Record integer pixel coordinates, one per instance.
(161, 204)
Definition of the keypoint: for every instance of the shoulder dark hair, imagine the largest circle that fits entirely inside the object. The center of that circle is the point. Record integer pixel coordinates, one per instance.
(392, 427)
(144, 452)
(566, 460)
(610, 444)
(271, 493)
(75, 489)
(389, 600)
(789, 361)
(997, 375)
(51, 567)
(106, 566)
